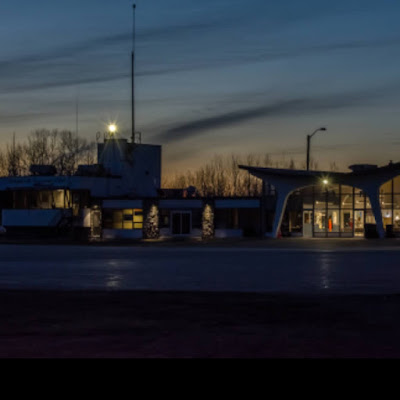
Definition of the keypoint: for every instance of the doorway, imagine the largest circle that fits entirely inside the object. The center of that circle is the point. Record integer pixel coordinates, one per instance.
(359, 223)
(308, 224)
(181, 223)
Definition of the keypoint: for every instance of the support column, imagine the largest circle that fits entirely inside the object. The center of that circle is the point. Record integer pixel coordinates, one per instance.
(283, 195)
(373, 195)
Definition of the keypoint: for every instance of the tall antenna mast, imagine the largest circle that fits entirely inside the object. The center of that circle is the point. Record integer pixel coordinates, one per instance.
(133, 72)
(77, 112)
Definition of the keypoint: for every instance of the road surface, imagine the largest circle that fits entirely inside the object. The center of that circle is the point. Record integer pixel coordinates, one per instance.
(256, 270)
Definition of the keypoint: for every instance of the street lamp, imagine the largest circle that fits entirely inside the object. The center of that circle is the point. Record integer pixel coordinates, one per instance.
(308, 144)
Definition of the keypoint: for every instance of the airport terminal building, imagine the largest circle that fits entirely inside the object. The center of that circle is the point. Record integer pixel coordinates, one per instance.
(121, 198)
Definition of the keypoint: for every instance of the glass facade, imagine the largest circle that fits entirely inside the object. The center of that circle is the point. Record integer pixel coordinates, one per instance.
(343, 211)
(41, 199)
(390, 203)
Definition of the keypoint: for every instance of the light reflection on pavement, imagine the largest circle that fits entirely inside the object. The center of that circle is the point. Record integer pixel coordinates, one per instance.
(201, 269)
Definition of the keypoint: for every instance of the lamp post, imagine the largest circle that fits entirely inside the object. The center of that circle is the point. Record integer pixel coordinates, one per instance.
(308, 145)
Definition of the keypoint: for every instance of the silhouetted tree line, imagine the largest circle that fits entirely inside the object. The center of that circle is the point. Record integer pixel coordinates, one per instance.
(63, 149)
(219, 177)
(222, 176)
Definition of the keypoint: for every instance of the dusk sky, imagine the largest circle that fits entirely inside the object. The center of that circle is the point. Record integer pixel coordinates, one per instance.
(213, 76)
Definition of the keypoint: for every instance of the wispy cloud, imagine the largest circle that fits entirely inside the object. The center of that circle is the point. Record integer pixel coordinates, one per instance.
(13, 118)
(296, 106)
(94, 61)
(89, 61)
(74, 49)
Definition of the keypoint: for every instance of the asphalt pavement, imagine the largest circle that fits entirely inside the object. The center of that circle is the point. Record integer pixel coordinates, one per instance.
(307, 267)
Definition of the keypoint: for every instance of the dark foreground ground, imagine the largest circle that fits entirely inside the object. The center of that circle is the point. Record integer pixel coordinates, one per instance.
(196, 325)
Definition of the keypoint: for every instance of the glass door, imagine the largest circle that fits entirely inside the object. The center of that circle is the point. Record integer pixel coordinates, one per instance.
(333, 222)
(307, 224)
(320, 223)
(181, 223)
(347, 223)
(359, 222)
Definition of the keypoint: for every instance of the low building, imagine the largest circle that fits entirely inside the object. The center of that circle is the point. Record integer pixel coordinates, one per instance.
(99, 198)
(229, 217)
(121, 198)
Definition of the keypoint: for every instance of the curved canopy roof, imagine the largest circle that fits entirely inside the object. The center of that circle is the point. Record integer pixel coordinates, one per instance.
(359, 176)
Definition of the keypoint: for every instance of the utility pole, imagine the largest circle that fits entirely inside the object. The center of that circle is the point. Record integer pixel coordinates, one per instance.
(133, 72)
(77, 112)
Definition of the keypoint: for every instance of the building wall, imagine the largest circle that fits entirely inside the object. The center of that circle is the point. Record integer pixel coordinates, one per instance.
(138, 165)
(102, 187)
(232, 217)
(31, 218)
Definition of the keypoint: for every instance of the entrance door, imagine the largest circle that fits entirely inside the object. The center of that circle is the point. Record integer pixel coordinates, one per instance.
(181, 223)
(320, 224)
(307, 224)
(359, 222)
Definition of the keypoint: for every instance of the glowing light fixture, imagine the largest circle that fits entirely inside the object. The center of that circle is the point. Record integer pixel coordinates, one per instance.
(325, 181)
(112, 129)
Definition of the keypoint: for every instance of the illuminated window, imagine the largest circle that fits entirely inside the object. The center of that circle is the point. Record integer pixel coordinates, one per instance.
(137, 219)
(396, 220)
(127, 219)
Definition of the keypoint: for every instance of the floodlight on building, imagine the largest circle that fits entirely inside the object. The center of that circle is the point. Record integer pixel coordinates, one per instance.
(112, 129)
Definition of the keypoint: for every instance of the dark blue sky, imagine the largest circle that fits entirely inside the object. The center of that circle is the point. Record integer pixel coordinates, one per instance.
(213, 76)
